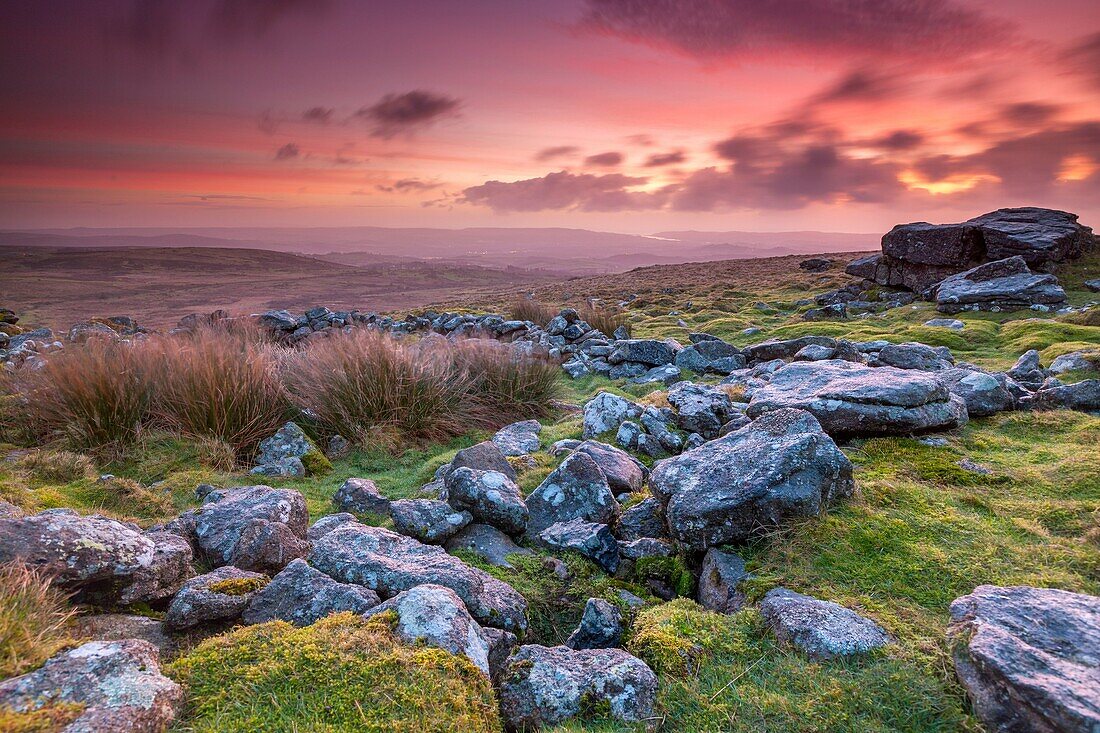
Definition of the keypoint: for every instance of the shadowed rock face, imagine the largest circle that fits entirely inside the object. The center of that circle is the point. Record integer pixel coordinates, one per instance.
(918, 255)
(390, 563)
(853, 399)
(118, 682)
(301, 595)
(577, 489)
(780, 466)
(1029, 657)
(1004, 285)
(543, 686)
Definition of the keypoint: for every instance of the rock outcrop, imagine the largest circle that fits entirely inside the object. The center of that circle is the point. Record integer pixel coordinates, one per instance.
(780, 466)
(1029, 658)
(1002, 285)
(302, 595)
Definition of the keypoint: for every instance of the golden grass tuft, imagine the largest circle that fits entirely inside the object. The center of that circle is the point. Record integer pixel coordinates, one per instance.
(34, 619)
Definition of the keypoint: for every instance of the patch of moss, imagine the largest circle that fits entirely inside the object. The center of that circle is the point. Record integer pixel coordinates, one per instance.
(50, 718)
(316, 463)
(669, 570)
(237, 586)
(344, 673)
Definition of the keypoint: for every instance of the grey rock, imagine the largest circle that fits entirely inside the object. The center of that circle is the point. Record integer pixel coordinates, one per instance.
(1029, 658)
(627, 370)
(1027, 370)
(485, 456)
(719, 581)
(1093, 285)
(361, 496)
(836, 311)
(490, 497)
(1083, 396)
(914, 355)
(501, 645)
(629, 435)
(606, 411)
(1004, 285)
(563, 446)
(9, 510)
(576, 489)
(644, 519)
(651, 352)
(815, 264)
(813, 352)
(436, 616)
(780, 466)
(601, 627)
(519, 438)
(665, 374)
(700, 408)
(852, 399)
(118, 684)
(821, 629)
(301, 595)
(290, 467)
(983, 393)
(544, 686)
(99, 559)
(701, 357)
(645, 547)
(120, 626)
(288, 442)
(953, 323)
(784, 349)
(488, 543)
(589, 539)
(389, 563)
(968, 465)
(197, 603)
(1037, 235)
(327, 523)
(1076, 361)
(624, 472)
(429, 520)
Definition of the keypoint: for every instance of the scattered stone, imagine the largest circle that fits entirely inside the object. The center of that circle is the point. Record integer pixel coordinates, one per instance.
(490, 497)
(120, 626)
(953, 323)
(488, 543)
(289, 452)
(1027, 370)
(589, 539)
(1029, 657)
(700, 408)
(327, 523)
(218, 596)
(644, 519)
(852, 399)
(301, 595)
(606, 411)
(624, 472)
(780, 466)
(601, 627)
(914, 355)
(1003, 285)
(338, 447)
(501, 645)
(543, 686)
(361, 496)
(821, 629)
(117, 683)
(1093, 285)
(519, 438)
(576, 489)
(815, 264)
(710, 356)
(389, 563)
(813, 352)
(983, 393)
(784, 349)
(1076, 361)
(99, 559)
(719, 581)
(436, 616)
(665, 374)
(836, 311)
(429, 520)
(485, 456)
(650, 352)
(968, 465)
(251, 527)
(1083, 396)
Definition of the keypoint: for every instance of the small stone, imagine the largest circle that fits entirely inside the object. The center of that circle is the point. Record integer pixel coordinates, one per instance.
(821, 629)
(601, 627)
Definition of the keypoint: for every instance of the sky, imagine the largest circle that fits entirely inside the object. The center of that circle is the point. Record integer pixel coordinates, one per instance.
(617, 115)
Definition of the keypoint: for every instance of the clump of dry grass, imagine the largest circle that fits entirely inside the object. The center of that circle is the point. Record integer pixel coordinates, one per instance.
(365, 385)
(220, 385)
(94, 397)
(34, 619)
(506, 385)
(605, 320)
(528, 309)
(57, 465)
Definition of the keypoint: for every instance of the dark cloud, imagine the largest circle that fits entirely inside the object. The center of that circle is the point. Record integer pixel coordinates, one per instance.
(1029, 114)
(558, 151)
(861, 85)
(563, 190)
(1083, 58)
(242, 18)
(659, 159)
(288, 151)
(899, 140)
(320, 115)
(397, 114)
(607, 159)
(407, 185)
(926, 29)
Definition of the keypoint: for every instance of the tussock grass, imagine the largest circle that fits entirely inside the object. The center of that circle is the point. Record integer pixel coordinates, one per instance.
(57, 466)
(343, 673)
(505, 385)
(527, 309)
(220, 385)
(34, 619)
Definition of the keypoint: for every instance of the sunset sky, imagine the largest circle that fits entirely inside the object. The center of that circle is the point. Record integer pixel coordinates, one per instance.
(620, 115)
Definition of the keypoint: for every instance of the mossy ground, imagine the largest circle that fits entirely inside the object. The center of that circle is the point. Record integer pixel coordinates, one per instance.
(919, 532)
